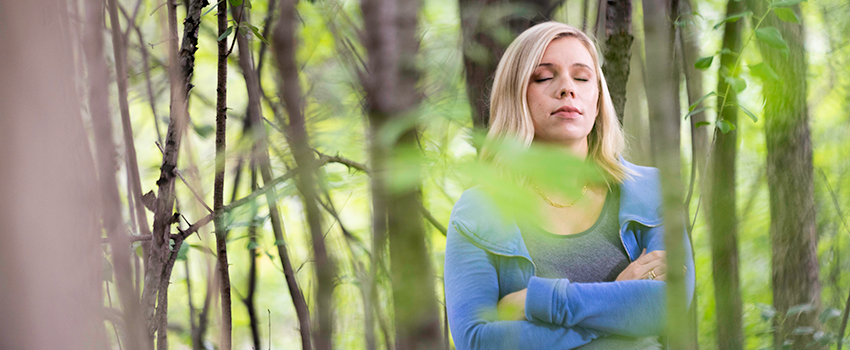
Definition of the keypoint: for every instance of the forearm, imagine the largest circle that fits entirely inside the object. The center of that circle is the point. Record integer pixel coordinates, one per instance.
(520, 335)
(632, 308)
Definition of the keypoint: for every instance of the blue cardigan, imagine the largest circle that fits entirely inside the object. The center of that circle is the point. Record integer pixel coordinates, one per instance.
(486, 259)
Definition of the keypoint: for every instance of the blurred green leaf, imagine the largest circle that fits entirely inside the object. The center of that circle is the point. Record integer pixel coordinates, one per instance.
(749, 114)
(695, 112)
(703, 63)
(226, 33)
(235, 2)
(279, 242)
(252, 245)
(763, 71)
(736, 83)
(732, 18)
(203, 130)
(691, 108)
(701, 124)
(784, 3)
(257, 33)
(772, 37)
(787, 15)
(798, 309)
(211, 8)
(828, 314)
(724, 126)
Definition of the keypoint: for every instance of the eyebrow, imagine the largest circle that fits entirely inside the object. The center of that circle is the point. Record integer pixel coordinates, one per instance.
(574, 64)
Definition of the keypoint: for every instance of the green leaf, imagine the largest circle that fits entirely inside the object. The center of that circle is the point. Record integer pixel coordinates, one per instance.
(226, 33)
(763, 71)
(703, 63)
(787, 15)
(829, 313)
(724, 126)
(695, 112)
(701, 124)
(257, 34)
(183, 253)
(785, 3)
(749, 114)
(803, 330)
(727, 51)
(736, 83)
(772, 37)
(279, 242)
(235, 2)
(733, 18)
(798, 309)
(252, 245)
(204, 131)
(691, 108)
(139, 251)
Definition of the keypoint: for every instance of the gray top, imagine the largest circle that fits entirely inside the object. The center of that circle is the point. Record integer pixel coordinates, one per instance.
(594, 255)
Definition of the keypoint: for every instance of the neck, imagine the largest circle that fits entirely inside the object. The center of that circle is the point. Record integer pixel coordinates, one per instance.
(577, 148)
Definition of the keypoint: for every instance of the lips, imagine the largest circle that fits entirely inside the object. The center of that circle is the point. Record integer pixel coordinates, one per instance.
(567, 112)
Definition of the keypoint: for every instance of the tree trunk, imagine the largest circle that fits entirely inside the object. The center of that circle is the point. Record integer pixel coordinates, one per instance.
(218, 185)
(482, 50)
(290, 90)
(721, 208)
(50, 255)
(665, 125)
(391, 96)
(618, 33)
(790, 180)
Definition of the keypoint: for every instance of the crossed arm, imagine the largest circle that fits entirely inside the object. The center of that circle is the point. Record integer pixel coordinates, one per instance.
(559, 314)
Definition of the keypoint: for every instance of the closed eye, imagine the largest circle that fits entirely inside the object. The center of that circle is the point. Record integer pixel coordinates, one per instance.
(542, 80)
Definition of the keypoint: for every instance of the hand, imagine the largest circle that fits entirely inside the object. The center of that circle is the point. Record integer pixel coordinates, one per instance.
(512, 306)
(645, 264)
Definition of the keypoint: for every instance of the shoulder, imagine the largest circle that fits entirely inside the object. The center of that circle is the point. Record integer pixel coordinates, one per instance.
(478, 216)
(641, 192)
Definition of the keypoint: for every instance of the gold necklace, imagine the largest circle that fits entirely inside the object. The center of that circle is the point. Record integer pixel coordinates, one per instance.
(559, 205)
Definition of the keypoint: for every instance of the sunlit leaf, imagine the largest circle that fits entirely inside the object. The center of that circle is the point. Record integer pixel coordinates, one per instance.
(772, 37)
(749, 114)
(703, 63)
(736, 83)
(235, 2)
(787, 15)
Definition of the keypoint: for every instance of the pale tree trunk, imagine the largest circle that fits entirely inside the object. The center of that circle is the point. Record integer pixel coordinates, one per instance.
(391, 96)
(720, 194)
(664, 124)
(790, 175)
(50, 255)
(290, 91)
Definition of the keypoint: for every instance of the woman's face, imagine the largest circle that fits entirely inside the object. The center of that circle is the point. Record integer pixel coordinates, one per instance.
(562, 95)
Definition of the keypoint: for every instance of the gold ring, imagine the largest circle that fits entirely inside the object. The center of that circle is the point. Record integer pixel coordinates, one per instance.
(652, 274)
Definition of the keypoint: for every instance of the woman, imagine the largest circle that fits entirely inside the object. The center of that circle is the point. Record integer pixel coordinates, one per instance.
(588, 275)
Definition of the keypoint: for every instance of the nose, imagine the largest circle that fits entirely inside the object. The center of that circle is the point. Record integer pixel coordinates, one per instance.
(566, 89)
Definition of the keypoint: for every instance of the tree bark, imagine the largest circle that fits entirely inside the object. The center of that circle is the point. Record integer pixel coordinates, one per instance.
(218, 186)
(284, 48)
(391, 95)
(665, 125)
(721, 199)
(618, 43)
(790, 180)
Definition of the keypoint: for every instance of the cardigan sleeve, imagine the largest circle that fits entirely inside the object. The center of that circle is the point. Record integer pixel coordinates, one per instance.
(472, 296)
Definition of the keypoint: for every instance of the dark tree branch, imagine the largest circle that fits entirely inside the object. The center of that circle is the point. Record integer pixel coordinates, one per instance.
(218, 187)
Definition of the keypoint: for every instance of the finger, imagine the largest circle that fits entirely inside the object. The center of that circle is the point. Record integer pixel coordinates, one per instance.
(651, 266)
(652, 256)
(661, 277)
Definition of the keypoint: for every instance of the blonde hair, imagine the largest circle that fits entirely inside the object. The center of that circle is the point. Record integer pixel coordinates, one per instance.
(511, 117)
